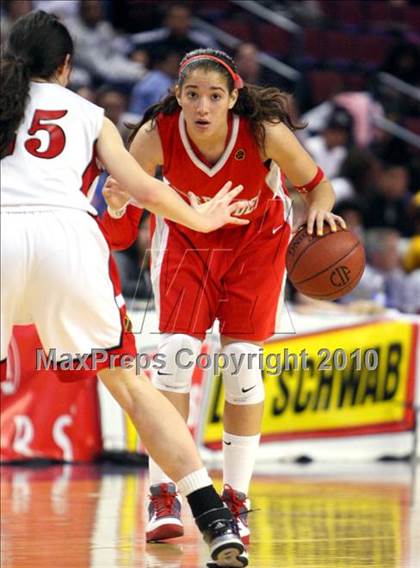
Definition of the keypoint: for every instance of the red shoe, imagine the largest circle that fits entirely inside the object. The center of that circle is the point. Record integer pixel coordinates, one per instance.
(164, 513)
(239, 506)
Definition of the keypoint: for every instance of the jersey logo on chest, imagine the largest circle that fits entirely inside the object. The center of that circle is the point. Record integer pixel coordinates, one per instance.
(244, 206)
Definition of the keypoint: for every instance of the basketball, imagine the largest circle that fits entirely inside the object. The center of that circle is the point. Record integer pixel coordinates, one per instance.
(326, 267)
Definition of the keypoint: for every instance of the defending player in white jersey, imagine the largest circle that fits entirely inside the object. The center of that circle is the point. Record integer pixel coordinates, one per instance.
(56, 268)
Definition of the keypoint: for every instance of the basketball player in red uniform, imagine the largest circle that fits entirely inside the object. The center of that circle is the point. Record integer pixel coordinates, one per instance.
(214, 128)
(56, 270)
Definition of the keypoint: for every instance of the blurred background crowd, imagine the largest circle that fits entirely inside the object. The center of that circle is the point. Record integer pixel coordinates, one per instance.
(353, 68)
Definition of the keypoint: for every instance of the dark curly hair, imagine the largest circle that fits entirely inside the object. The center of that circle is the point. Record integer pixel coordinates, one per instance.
(259, 104)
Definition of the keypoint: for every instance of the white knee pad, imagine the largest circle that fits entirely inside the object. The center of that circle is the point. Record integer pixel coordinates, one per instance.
(176, 358)
(242, 376)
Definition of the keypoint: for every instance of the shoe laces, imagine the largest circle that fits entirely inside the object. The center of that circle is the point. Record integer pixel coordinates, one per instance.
(163, 503)
(236, 504)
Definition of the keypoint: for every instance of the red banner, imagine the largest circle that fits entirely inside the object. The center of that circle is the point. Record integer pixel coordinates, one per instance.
(42, 417)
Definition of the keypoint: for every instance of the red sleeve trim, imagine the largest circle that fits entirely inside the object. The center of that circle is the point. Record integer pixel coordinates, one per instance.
(121, 233)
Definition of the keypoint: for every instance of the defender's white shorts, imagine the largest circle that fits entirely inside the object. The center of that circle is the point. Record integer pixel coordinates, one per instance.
(57, 272)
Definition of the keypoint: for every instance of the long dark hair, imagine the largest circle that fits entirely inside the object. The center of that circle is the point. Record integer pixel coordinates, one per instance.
(258, 104)
(36, 47)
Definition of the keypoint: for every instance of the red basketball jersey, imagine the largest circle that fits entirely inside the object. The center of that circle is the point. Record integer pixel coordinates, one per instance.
(240, 163)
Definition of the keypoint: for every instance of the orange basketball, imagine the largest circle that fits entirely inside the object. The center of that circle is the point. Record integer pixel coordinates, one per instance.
(327, 267)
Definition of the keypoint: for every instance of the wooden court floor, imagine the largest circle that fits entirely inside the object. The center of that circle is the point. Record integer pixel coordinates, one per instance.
(305, 517)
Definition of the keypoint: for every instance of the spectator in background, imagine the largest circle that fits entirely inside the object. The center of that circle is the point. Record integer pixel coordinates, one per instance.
(61, 8)
(414, 213)
(412, 293)
(251, 70)
(156, 83)
(11, 10)
(87, 93)
(411, 259)
(177, 33)
(114, 103)
(383, 279)
(403, 61)
(329, 149)
(388, 204)
(357, 175)
(352, 213)
(363, 109)
(384, 266)
(99, 49)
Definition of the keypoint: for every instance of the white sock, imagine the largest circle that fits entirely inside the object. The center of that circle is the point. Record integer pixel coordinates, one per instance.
(239, 453)
(156, 475)
(193, 481)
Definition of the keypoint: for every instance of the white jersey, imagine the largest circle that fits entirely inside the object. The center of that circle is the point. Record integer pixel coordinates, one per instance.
(52, 160)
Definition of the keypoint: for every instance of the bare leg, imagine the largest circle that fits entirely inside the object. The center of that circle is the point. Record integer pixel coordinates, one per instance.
(181, 402)
(243, 420)
(162, 429)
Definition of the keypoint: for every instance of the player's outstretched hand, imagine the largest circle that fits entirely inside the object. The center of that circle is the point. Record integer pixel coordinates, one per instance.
(219, 210)
(317, 218)
(114, 196)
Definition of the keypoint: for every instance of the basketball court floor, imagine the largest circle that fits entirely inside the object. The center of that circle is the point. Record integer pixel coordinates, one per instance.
(305, 516)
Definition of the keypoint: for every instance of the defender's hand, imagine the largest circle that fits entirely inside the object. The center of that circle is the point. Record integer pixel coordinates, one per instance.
(219, 210)
(115, 197)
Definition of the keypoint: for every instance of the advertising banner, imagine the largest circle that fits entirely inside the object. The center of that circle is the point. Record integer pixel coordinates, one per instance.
(352, 381)
(42, 417)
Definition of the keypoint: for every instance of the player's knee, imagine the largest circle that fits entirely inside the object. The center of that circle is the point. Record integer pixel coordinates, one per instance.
(177, 353)
(242, 376)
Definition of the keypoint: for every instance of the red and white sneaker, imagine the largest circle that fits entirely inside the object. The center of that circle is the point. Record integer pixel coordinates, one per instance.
(164, 513)
(239, 506)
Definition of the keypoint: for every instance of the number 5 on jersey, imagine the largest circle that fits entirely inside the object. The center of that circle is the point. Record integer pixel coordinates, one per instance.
(57, 138)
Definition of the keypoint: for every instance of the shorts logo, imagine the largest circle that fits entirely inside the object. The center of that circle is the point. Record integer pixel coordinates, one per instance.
(240, 154)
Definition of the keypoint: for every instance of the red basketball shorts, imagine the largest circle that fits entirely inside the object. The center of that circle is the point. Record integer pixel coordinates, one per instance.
(235, 275)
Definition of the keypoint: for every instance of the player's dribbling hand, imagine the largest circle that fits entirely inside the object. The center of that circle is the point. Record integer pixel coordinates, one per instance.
(317, 218)
(219, 210)
(114, 196)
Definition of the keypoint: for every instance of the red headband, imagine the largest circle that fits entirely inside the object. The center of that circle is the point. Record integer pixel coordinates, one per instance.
(237, 81)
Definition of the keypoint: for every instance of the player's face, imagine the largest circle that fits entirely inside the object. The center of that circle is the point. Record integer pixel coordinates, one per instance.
(205, 100)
